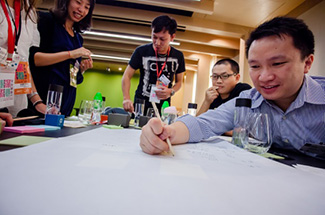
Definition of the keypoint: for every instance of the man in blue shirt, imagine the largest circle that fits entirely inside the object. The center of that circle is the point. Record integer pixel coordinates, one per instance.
(280, 53)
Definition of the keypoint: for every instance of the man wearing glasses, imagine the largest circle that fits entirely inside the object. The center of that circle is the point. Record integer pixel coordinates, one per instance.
(280, 53)
(225, 77)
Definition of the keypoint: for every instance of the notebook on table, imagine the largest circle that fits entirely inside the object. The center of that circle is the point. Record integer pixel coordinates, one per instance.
(23, 129)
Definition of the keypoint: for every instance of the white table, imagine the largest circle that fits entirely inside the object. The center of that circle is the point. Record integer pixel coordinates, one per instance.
(104, 171)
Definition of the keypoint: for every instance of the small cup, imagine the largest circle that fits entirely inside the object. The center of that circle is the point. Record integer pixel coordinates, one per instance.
(138, 110)
(151, 112)
(86, 109)
(259, 129)
(54, 97)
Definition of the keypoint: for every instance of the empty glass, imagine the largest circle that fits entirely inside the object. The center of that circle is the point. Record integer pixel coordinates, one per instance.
(151, 112)
(54, 97)
(85, 111)
(138, 110)
(259, 129)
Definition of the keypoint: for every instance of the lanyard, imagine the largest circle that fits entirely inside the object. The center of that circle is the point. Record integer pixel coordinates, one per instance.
(12, 38)
(162, 68)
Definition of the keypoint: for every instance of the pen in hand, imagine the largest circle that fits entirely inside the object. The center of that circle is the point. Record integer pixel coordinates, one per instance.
(158, 116)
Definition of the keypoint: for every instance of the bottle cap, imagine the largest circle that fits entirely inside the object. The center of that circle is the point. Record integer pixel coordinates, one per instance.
(192, 105)
(57, 88)
(165, 105)
(171, 109)
(98, 96)
(243, 102)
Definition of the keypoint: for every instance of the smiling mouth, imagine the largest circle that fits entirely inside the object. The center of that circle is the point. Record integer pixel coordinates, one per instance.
(77, 15)
(269, 87)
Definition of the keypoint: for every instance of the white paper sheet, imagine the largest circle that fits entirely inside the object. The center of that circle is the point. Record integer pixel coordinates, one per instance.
(104, 171)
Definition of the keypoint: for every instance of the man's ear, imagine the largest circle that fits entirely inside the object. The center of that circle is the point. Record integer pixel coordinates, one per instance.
(237, 77)
(172, 37)
(308, 62)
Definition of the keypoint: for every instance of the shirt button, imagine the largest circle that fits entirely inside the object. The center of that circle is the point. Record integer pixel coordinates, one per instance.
(284, 117)
(286, 140)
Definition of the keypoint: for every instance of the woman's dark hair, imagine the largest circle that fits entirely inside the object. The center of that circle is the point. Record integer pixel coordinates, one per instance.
(29, 7)
(164, 23)
(233, 64)
(60, 11)
(303, 38)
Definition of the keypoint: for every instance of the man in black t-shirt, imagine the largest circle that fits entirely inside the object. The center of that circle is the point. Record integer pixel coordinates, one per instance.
(170, 68)
(225, 77)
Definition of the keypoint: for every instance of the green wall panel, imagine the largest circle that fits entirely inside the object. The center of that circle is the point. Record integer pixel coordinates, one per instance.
(109, 84)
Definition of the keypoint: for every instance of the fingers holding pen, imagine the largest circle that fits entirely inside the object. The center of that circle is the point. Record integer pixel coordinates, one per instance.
(150, 140)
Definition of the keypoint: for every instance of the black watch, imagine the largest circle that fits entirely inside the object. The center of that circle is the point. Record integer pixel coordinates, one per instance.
(172, 93)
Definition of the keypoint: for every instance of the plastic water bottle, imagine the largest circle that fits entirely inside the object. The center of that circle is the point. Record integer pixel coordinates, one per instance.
(171, 113)
(191, 109)
(163, 107)
(242, 113)
(97, 108)
(103, 104)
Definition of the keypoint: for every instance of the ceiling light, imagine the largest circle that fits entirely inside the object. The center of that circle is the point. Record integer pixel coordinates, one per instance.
(121, 36)
(97, 56)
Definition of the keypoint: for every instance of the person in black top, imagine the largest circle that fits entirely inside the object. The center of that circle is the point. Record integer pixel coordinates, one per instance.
(225, 77)
(58, 60)
(170, 63)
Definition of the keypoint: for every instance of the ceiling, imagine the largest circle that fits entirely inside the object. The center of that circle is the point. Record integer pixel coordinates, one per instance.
(208, 27)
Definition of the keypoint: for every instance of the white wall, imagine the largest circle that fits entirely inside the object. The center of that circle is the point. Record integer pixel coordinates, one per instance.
(315, 18)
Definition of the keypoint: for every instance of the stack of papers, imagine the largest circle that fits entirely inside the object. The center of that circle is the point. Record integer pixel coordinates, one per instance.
(23, 129)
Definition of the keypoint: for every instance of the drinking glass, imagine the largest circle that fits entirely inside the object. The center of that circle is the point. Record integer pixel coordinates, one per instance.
(259, 129)
(138, 110)
(151, 112)
(86, 109)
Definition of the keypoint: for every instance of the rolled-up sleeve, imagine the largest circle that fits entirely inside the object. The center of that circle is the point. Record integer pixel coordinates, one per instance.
(211, 123)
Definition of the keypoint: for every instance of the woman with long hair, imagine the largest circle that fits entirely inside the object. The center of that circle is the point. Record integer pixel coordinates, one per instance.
(18, 24)
(58, 60)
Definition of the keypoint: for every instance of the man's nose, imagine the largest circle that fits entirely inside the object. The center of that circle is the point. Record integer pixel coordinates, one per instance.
(266, 74)
(219, 79)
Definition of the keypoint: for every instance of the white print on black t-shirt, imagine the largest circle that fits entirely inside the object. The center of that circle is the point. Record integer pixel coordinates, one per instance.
(149, 66)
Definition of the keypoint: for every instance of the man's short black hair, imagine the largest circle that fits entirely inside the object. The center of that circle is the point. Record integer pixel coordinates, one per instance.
(302, 36)
(234, 65)
(164, 23)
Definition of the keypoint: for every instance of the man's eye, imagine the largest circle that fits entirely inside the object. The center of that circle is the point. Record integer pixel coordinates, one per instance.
(279, 63)
(224, 76)
(254, 66)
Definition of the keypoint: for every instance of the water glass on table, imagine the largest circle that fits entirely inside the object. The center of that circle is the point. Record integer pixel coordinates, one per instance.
(259, 129)
(86, 109)
(138, 110)
(151, 112)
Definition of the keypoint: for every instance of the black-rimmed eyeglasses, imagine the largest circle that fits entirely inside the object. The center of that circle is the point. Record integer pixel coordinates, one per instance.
(223, 76)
